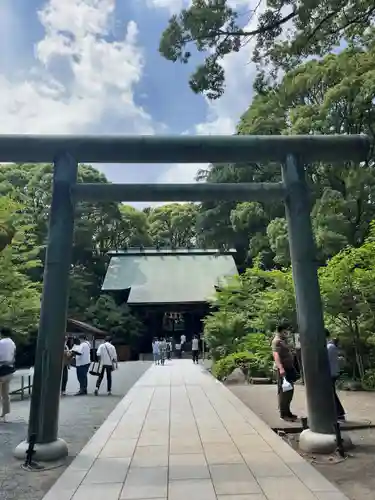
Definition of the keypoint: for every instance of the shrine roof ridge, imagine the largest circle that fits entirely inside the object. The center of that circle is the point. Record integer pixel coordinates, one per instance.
(155, 251)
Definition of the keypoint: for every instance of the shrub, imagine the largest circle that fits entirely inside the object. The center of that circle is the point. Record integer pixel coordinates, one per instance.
(251, 365)
(221, 331)
(258, 344)
(368, 381)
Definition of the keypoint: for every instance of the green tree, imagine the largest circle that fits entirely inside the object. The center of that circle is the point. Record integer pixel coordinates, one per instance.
(19, 297)
(249, 222)
(115, 319)
(284, 32)
(277, 232)
(99, 227)
(256, 301)
(348, 294)
(218, 223)
(173, 225)
(332, 95)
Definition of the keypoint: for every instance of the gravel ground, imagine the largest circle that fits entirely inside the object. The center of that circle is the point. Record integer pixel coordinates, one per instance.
(354, 475)
(79, 419)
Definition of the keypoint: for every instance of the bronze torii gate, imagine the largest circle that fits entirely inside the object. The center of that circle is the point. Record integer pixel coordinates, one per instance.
(292, 152)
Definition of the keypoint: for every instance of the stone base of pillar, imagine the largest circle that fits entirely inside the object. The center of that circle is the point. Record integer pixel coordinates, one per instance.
(314, 442)
(48, 452)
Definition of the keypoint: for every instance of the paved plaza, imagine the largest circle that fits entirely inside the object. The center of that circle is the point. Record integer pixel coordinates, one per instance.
(79, 420)
(181, 435)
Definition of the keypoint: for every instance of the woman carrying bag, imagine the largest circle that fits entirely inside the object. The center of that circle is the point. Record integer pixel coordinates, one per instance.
(107, 358)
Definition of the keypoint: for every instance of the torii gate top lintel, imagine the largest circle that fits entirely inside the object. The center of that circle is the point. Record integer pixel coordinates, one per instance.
(182, 149)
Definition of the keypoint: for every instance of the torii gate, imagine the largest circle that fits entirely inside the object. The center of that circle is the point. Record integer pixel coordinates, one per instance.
(292, 152)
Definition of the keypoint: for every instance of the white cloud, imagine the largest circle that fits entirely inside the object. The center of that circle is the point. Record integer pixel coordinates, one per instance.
(173, 6)
(99, 76)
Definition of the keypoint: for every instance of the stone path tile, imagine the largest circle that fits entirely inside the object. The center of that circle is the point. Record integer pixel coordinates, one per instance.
(146, 482)
(233, 479)
(98, 492)
(118, 448)
(181, 435)
(250, 496)
(265, 464)
(188, 466)
(107, 470)
(193, 489)
(151, 456)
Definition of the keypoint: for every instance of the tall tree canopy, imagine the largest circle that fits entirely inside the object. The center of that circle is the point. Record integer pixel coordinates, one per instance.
(285, 32)
(331, 95)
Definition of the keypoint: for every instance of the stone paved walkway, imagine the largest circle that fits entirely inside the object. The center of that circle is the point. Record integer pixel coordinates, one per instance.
(181, 435)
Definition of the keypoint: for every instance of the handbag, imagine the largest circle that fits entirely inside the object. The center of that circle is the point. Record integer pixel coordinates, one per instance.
(95, 369)
(286, 386)
(113, 363)
(6, 370)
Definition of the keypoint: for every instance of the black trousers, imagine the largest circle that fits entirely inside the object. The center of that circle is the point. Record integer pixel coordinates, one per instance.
(285, 398)
(339, 408)
(64, 378)
(195, 355)
(108, 371)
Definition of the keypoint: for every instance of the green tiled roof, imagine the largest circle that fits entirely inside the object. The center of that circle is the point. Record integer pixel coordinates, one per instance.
(168, 279)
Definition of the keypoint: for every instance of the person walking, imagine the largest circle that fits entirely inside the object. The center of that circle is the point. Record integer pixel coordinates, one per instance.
(183, 342)
(178, 350)
(107, 357)
(169, 348)
(195, 349)
(66, 365)
(334, 367)
(81, 350)
(163, 350)
(7, 369)
(156, 351)
(284, 364)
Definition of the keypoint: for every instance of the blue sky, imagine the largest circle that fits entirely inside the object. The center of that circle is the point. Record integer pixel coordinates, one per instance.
(92, 66)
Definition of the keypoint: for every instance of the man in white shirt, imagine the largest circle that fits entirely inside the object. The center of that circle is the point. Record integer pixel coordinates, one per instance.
(81, 350)
(107, 357)
(7, 368)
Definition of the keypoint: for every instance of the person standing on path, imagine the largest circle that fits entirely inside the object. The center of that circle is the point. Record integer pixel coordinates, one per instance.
(156, 351)
(183, 342)
(81, 350)
(107, 357)
(284, 364)
(7, 368)
(66, 364)
(195, 349)
(169, 348)
(178, 350)
(163, 350)
(334, 367)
